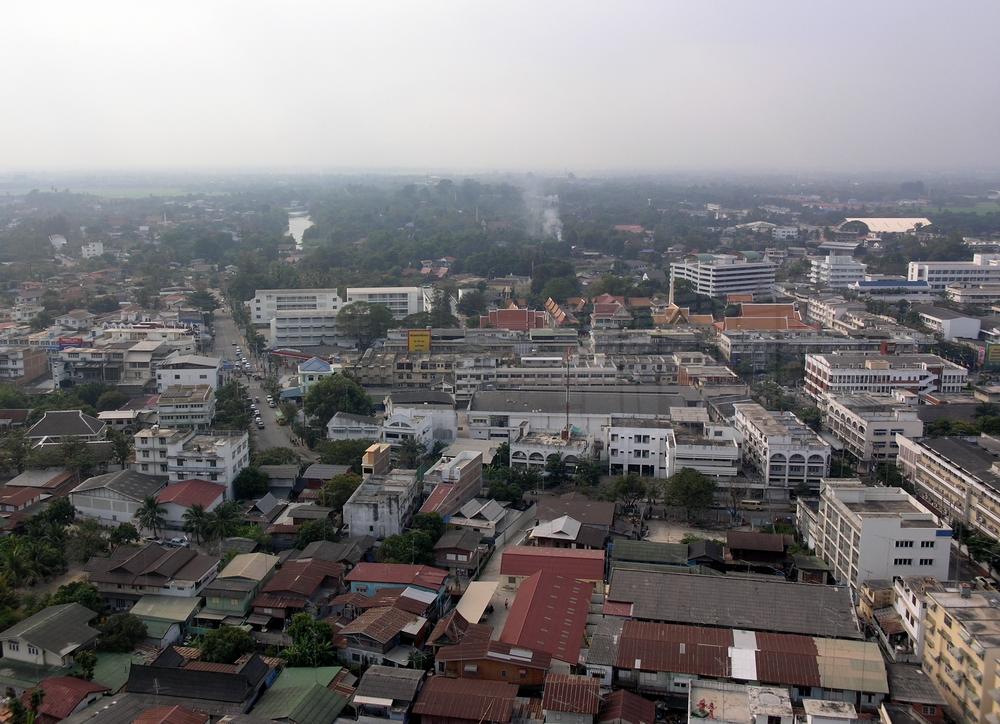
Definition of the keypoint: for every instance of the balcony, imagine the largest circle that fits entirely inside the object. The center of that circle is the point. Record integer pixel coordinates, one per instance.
(956, 653)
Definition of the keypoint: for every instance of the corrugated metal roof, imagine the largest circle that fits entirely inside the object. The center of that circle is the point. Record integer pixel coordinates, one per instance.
(479, 701)
(549, 614)
(572, 694)
(583, 565)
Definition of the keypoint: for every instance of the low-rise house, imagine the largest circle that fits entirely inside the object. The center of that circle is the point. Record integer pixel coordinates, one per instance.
(621, 706)
(370, 578)
(227, 688)
(282, 480)
(443, 700)
(57, 426)
(521, 562)
(303, 695)
(485, 517)
(549, 614)
(348, 426)
(571, 699)
(131, 572)
(387, 693)
(756, 549)
(457, 551)
(167, 618)
(51, 637)
(729, 703)
(229, 596)
(178, 498)
(114, 498)
(300, 585)
(63, 696)
(317, 474)
(566, 532)
(382, 636)
(487, 660)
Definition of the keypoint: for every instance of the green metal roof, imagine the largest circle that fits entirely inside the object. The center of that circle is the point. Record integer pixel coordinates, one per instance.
(300, 704)
(642, 551)
(299, 676)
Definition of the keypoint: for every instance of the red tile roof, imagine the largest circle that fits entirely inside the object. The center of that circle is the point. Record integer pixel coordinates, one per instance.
(584, 565)
(624, 706)
(549, 614)
(303, 577)
(484, 702)
(402, 574)
(191, 492)
(63, 694)
(572, 694)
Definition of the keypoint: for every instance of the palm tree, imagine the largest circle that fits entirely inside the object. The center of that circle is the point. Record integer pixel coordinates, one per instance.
(409, 452)
(196, 521)
(151, 515)
(223, 522)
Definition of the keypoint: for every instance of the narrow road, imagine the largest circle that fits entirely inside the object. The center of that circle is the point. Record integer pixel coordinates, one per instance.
(227, 337)
(491, 572)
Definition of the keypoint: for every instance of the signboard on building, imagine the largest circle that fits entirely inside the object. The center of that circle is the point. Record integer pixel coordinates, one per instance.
(418, 340)
(64, 342)
(992, 356)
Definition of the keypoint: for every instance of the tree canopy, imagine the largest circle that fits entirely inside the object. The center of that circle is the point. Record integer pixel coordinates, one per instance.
(333, 394)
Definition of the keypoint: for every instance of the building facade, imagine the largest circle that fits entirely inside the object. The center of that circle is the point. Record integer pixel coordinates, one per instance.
(867, 425)
(781, 448)
(401, 301)
(716, 275)
(836, 272)
(267, 303)
(850, 373)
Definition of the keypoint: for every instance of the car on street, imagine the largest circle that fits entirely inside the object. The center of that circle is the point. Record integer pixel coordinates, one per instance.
(178, 542)
(260, 424)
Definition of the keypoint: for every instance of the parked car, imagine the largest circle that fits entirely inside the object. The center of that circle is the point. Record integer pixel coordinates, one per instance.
(178, 542)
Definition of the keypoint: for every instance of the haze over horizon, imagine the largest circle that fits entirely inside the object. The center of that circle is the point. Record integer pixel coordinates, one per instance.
(641, 86)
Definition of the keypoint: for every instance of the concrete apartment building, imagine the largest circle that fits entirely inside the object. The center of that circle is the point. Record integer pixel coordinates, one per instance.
(268, 303)
(911, 598)
(961, 648)
(867, 425)
(835, 271)
(305, 328)
(983, 269)
(824, 310)
(401, 301)
(184, 454)
(660, 448)
(190, 406)
(975, 294)
(453, 482)
(781, 448)
(716, 275)
(187, 370)
(958, 477)
(20, 365)
(866, 533)
(851, 373)
(385, 501)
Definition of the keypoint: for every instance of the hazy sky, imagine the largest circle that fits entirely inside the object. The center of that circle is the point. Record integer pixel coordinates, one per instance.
(533, 85)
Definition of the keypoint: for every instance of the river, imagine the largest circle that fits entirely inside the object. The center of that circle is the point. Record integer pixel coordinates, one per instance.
(298, 222)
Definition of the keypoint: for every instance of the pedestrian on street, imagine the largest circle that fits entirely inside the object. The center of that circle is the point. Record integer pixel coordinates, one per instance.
(506, 603)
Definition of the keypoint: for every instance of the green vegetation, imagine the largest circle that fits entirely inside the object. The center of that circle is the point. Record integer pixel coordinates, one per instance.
(225, 645)
(121, 633)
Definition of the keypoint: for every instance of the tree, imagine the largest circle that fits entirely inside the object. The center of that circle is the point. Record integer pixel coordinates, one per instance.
(364, 322)
(16, 449)
(124, 534)
(629, 489)
(556, 470)
(811, 416)
(312, 642)
(196, 522)
(111, 400)
(588, 472)
(441, 316)
(86, 660)
(77, 456)
(277, 456)
(333, 394)
(691, 490)
(203, 300)
(121, 633)
(121, 447)
(409, 453)
(88, 539)
(250, 483)
(59, 512)
(315, 530)
(42, 320)
(413, 546)
(430, 523)
(344, 452)
(151, 515)
(472, 303)
(336, 491)
(78, 592)
(225, 645)
(223, 522)
(502, 457)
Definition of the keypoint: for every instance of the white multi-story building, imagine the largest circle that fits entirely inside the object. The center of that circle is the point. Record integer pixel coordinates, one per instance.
(867, 425)
(836, 272)
(267, 303)
(868, 533)
(187, 370)
(949, 324)
(312, 371)
(716, 275)
(180, 339)
(981, 294)
(660, 448)
(911, 605)
(385, 501)
(825, 310)
(783, 449)
(785, 233)
(401, 301)
(92, 249)
(348, 426)
(305, 328)
(407, 424)
(186, 406)
(851, 373)
(983, 269)
(183, 454)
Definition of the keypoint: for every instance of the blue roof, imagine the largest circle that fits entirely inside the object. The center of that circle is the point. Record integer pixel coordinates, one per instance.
(893, 283)
(315, 364)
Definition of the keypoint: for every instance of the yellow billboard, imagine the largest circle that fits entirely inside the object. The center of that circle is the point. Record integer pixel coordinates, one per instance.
(418, 340)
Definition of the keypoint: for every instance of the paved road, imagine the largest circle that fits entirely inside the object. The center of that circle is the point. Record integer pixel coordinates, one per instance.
(491, 572)
(227, 336)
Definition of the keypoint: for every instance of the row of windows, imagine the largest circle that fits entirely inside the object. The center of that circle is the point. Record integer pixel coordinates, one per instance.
(909, 562)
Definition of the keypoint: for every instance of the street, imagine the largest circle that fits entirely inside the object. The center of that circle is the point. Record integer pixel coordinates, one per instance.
(227, 337)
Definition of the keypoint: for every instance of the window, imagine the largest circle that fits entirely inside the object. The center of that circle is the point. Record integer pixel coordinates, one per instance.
(511, 579)
(929, 710)
(927, 561)
(32, 650)
(503, 673)
(902, 562)
(904, 544)
(13, 646)
(926, 544)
